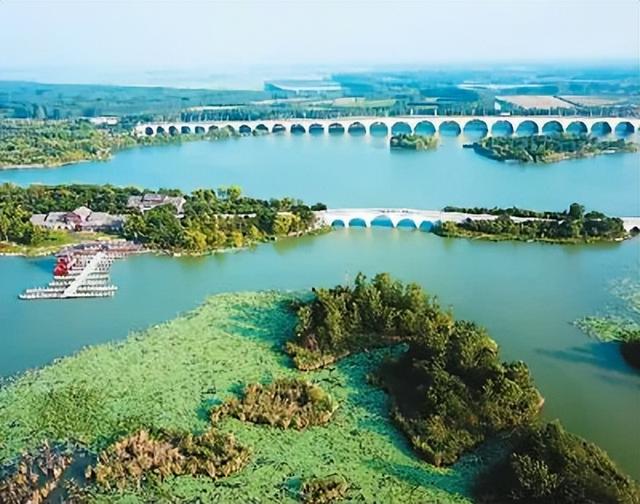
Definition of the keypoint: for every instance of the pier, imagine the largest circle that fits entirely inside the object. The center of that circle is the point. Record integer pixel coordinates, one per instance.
(82, 271)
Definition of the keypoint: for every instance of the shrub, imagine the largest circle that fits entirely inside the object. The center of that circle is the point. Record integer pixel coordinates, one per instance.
(324, 490)
(284, 403)
(141, 457)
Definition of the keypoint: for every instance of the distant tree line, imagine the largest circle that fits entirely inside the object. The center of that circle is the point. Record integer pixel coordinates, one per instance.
(54, 143)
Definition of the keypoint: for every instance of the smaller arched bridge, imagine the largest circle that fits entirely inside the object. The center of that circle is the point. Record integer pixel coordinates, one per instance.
(416, 219)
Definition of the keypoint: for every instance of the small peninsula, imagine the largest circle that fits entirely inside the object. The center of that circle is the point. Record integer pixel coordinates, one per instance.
(38, 219)
(548, 148)
(47, 144)
(571, 226)
(407, 141)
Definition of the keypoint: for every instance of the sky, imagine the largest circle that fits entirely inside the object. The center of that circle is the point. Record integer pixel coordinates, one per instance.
(102, 36)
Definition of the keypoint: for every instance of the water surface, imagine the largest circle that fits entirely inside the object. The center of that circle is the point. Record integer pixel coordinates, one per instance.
(527, 295)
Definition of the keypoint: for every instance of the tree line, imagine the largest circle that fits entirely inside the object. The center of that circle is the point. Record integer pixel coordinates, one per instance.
(211, 219)
(573, 225)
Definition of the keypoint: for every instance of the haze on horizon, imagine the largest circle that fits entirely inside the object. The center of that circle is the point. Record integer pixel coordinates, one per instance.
(93, 37)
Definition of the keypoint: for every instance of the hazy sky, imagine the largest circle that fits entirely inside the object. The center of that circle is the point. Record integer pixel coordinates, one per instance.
(219, 35)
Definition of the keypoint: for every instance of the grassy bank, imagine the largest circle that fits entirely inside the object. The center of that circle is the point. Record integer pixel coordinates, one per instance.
(169, 377)
(52, 244)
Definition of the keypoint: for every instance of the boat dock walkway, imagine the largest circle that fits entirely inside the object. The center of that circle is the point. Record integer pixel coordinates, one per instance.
(82, 271)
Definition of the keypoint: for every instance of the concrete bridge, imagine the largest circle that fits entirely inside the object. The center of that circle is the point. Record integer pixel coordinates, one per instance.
(416, 219)
(401, 124)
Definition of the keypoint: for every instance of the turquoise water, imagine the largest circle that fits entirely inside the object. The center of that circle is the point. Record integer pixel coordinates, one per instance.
(348, 171)
(527, 295)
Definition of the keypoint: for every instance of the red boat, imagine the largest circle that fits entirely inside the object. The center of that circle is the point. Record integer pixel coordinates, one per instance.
(62, 266)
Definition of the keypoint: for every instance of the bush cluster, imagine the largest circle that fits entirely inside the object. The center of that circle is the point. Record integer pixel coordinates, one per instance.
(284, 403)
(142, 457)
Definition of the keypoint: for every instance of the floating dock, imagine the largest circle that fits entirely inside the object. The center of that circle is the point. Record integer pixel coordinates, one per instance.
(82, 271)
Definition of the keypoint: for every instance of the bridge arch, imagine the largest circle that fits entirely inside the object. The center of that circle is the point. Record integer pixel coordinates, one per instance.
(336, 129)
(244, 129)
(624, 128)
(297, 129)
(199, 130)
(173, 130)
(378, 128)
(450, 127)
(213, 128)
(577, 128)
(278, 128)
(601, 128)
(316, 129)
(400, 127)
(161, 131)
(357, 222)
(425, 128)
(427, 226)
(502, 128)
(527, 127)
(338, 223)
(407, 223)
(148, 131)
(476, 127)
(382, 221)
(185, 130)
(552, 128)
(262, 128)
(357, 129)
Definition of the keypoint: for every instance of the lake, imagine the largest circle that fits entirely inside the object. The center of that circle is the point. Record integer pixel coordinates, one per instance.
(526, 294)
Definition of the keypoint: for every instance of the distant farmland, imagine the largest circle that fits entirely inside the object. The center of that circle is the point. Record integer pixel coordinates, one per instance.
(535, 101)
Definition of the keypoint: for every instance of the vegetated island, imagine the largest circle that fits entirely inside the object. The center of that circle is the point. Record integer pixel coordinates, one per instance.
(450, 392)
(570, 226)
(548, 148)
(621, 328)
(31, 144)
(40, 219)
(299, 437)
(407, 141)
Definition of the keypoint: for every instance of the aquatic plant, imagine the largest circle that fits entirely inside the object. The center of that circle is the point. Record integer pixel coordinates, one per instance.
(548, 464)
(34, 476)
(622, 328)
(142, 457)
(133, 459)
(324, 490)
(284, 403)
(215, 454)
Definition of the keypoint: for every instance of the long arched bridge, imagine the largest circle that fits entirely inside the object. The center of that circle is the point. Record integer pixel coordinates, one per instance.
(412, 218)
(402, 124)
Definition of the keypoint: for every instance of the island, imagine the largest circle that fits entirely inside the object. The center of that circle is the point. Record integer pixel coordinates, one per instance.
(40, 219)
(214, 407)
(36, 143)
(407, 141)
(548, 148)
(571, 226)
